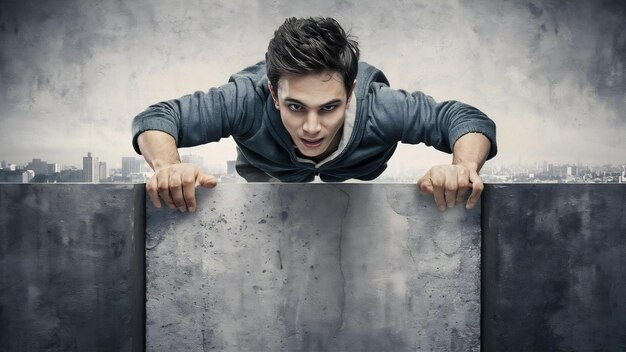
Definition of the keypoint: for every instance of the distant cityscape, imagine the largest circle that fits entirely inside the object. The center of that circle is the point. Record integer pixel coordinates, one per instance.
(94, 170)
(136, 170)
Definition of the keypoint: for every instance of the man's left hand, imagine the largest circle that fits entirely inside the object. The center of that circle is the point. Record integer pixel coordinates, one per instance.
(449, 185)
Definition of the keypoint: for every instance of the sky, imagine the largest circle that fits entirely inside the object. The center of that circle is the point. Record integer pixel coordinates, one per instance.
(551, 74)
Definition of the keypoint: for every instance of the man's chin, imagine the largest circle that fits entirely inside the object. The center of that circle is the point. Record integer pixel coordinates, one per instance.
(309, 154)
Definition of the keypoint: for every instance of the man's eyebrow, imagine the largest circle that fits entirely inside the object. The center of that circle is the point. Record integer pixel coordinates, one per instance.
(291, 100)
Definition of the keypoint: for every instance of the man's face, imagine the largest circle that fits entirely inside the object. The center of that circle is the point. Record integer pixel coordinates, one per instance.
(312, 108)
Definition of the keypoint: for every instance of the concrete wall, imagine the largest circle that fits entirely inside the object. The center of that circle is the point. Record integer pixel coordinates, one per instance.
(314, 267)
(310, 267)
(71, 267)
(554, 267)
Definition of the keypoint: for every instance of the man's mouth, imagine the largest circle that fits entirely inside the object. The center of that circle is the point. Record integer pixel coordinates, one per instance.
(312, 143)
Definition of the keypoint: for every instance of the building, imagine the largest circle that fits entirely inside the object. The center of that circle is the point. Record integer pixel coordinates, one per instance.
(16, 176)
(102, 171)
(71, 175)
(144, 166)
(230, 168)
(130, 165)
(91, 169)
(194, 159)
(39, 166)
(54, 168)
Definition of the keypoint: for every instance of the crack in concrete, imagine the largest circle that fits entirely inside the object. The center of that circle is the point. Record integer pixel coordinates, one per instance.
(153, 240)
(438, 247)
(408, 225)
(409, 249)
(343, 278)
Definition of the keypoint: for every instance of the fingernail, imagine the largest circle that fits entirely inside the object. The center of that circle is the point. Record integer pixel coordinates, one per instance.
(192, 209)
(182, 209)
(442, 208)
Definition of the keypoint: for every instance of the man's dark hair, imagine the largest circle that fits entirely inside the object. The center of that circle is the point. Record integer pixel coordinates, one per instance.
(312, 45)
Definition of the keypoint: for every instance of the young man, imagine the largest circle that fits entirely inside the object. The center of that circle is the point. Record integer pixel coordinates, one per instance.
(312, 109)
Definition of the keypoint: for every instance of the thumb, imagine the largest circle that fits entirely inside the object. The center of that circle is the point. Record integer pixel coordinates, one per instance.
(425, 185)
(477, 188)
(206, 180)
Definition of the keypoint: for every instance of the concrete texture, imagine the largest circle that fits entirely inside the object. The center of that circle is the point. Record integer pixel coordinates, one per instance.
(71, 267)
(554, 267)
(313, 267)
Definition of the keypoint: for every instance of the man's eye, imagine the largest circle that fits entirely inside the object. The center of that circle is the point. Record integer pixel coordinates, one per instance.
(329, 108)
(295, 107)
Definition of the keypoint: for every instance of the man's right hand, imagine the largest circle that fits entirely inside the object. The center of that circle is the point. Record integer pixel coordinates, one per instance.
(176, 184)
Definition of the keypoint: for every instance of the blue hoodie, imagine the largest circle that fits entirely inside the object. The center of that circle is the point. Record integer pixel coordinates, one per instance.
(243, 108)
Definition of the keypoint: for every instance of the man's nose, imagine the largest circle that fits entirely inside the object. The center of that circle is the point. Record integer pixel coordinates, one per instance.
(312, 124)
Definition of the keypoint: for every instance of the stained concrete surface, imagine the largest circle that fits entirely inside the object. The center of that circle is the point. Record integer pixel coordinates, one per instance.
(313, 267)
(71, 267)
(554, 267)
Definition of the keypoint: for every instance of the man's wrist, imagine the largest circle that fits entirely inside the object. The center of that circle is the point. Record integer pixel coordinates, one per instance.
(470, 165)
(161, 164)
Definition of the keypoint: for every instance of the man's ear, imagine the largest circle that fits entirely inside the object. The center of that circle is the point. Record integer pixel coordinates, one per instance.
(269, 86)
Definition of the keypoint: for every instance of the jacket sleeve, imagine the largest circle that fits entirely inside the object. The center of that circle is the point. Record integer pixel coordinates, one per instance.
(415, 118)
(201, 117)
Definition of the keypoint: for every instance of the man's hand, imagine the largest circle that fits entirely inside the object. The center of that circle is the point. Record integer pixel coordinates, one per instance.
(176, 185)
(449, 184)
(173, 181)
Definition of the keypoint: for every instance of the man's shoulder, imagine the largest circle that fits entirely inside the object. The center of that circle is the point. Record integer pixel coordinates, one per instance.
(367, 75)
(252, 80)
(254, 72)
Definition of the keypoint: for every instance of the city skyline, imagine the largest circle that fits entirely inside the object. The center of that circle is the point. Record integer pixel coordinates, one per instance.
(136, 170)
(419, 156)
(200, 160)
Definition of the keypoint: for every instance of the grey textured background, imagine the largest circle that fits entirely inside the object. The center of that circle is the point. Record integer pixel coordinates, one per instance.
(313, 268)
(72, 267)
(553, 268)
(551, 73)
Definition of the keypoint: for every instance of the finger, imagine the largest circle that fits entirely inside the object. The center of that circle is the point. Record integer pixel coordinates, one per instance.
(152, 190)
(164, 190)
(425, 185)
(189, 192)
(463, 186)
(477, 188)
(439, 193)
(450, 190)
(206, 181)
(176, 190)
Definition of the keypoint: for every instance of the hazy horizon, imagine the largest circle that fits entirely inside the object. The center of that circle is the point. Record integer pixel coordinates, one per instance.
(551, 74)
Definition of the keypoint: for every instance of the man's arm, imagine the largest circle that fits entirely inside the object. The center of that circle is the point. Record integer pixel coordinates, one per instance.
(192, 120)
(449, 184)
(449, 126)
(205, 117)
